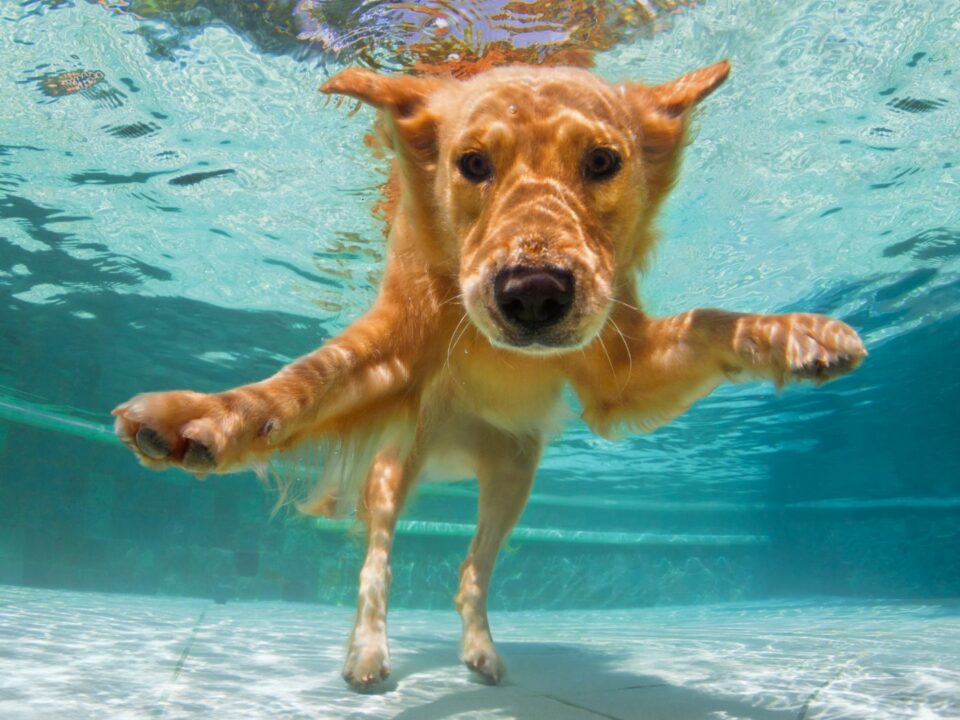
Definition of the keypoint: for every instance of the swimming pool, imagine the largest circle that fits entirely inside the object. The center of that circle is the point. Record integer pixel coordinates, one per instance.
(180, 207)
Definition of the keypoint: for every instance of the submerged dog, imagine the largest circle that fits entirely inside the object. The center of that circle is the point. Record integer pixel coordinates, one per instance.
(525, 201)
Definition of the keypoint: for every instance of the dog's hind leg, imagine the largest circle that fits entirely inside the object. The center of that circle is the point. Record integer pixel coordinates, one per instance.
(505, 469)
(368, 654)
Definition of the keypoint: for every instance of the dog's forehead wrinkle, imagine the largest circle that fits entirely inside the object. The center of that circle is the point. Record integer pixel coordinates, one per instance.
(569, 120)
(545, 121)
(531, 94)
(495, 133)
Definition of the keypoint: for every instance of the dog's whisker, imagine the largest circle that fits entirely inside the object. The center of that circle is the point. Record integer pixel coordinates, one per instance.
(454, 339)
(455, 298)
(626, 347)
(463, 332)
(355, 109)
(603, 346)
(625, 304)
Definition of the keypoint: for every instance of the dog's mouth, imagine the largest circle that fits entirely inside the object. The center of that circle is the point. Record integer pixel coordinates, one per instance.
(535, 309)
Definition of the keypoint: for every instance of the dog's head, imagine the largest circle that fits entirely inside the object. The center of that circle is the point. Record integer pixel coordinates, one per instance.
(538, 186)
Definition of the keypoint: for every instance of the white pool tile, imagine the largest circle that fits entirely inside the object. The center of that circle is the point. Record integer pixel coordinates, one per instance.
(79, 655)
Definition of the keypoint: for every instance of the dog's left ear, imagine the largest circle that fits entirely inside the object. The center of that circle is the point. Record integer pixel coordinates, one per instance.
(403, 97)
(663, 109)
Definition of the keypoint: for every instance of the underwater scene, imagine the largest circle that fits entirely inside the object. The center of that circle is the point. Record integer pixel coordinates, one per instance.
(181, 208)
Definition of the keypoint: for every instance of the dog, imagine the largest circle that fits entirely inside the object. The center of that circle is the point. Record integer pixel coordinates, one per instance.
(525, 200)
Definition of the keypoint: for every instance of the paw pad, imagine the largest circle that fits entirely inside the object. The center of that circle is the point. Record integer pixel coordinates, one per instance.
(198, 458)
(152, 444)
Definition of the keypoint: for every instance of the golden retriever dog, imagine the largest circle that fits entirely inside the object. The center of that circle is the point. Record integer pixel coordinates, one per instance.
(525, 200)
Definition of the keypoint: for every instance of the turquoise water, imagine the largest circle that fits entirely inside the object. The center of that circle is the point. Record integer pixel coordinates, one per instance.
(197, 215)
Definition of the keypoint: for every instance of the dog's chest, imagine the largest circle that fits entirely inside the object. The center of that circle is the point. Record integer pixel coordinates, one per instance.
(516, 393)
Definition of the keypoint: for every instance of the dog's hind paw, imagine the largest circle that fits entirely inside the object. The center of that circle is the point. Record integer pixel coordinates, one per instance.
(483, 660)
(366, 667)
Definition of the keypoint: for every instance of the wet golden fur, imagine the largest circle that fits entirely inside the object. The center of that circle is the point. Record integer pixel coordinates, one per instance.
(439, 372)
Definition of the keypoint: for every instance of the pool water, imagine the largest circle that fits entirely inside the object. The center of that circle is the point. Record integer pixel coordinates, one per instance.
(180, 207)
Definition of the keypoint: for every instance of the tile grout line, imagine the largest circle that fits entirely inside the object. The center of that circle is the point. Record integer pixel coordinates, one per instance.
(841, 671)
(570, 703)
(639, 687)
(181, 661)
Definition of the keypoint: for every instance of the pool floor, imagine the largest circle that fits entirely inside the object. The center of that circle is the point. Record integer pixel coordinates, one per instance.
(89, 655)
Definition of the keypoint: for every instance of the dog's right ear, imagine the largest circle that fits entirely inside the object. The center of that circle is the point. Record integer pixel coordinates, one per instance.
(403, 97)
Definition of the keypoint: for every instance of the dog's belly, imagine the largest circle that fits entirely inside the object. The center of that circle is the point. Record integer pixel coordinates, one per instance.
(448, 465)
(451, 443)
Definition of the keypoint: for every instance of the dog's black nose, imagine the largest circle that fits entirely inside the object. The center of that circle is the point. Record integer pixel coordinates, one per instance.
(533, 297)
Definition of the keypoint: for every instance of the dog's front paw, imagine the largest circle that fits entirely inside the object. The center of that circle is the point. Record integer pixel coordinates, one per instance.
(201, 433)
(367, 665)
(799, 346)
(481, 657)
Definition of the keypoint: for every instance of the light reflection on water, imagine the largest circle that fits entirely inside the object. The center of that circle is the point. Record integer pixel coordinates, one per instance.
(403, 35)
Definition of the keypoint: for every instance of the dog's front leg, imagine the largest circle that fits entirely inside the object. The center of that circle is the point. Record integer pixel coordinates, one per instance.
(371, 362)
(368, 654)
(643, 372)
(505, 468)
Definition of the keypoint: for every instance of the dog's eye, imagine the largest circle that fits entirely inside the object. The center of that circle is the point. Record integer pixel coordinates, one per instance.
(600, 164)
(475, 167)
